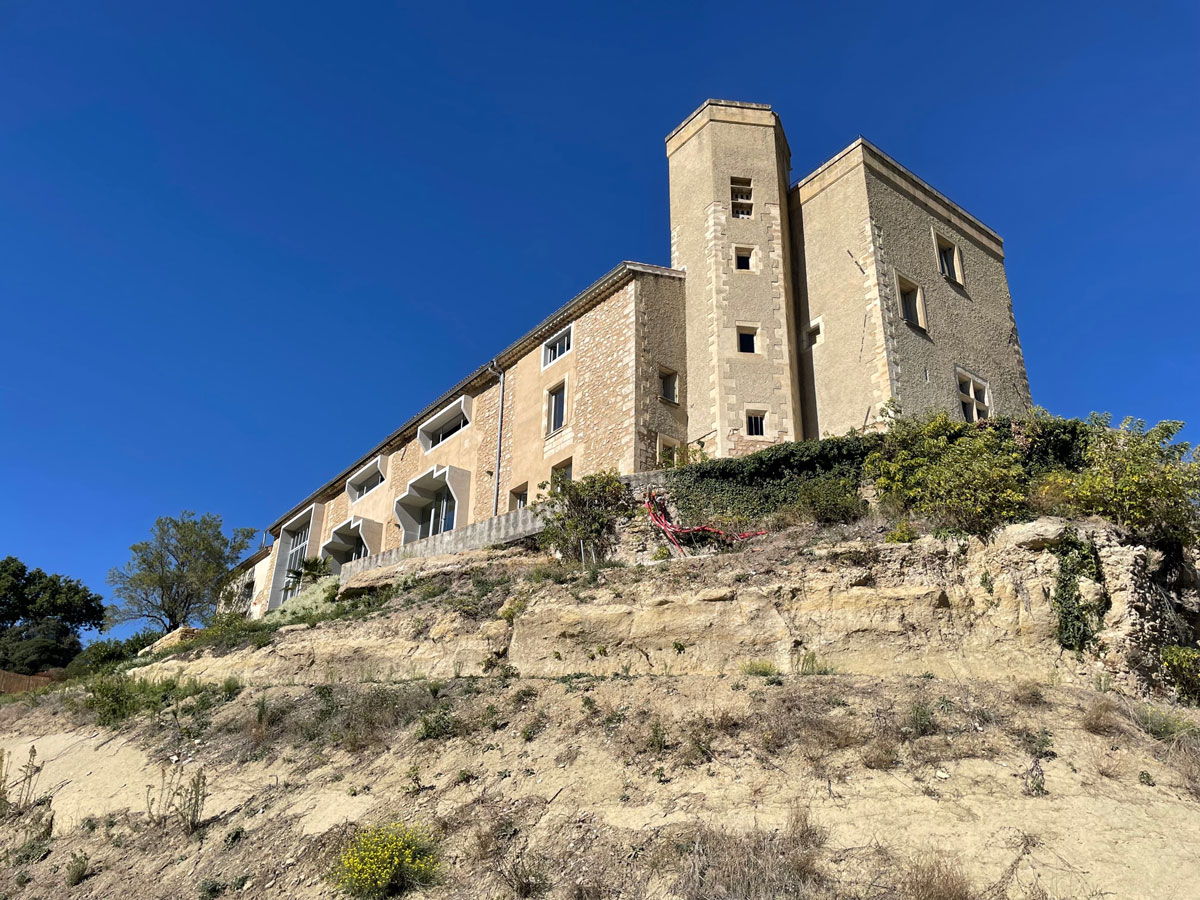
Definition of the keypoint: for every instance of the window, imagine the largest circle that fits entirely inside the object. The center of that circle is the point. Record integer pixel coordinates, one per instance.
(973, 396)
(912, 302)
(556, 408)
(448, 422)
(365, 480)
(742, 258)
(439, 515)
(557, 346)
(747, 340)
(297, 551)
(561, 471)
(756, 424)
(518, 498)
(360, 489)
(741, 195)
(447, 429)
(668, 382)
(428, 505)
(814, 334)
(949, 259)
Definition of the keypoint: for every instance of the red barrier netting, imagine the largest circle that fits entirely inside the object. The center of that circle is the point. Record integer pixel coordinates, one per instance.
(673, 531)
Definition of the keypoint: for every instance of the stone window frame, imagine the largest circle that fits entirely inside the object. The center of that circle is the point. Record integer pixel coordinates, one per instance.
(363, 475)
(745, 250)
(741, 197)
(550, 431)
(663, 374)
(756, 411)
(941, 243)
(751, 328)
(970, 398)
(900, 280)
(569, 333)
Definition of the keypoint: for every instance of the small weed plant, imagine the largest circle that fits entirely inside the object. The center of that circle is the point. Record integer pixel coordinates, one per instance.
(761, 667)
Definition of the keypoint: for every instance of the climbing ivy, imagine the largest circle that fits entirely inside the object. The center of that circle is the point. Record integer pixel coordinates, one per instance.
(1078, 622)
(822, 476)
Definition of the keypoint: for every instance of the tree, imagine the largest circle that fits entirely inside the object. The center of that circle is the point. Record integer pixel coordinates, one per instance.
(41, 616)
(580, 517)
(176, 577)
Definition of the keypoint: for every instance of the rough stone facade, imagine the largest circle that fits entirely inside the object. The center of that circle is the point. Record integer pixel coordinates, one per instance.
(790, 311)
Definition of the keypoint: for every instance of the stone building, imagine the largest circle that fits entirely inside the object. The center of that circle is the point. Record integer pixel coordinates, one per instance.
(790, 311)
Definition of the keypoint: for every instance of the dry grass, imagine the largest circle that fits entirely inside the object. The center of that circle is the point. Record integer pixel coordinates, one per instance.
(1188, 763)
(935, 878)
(879, 754)
(1102, 717)
(1029, 693)
(755, 865)
(1108, 764)
(525, 875)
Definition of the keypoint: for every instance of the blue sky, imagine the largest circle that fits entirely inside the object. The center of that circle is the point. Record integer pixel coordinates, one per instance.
(197, 201)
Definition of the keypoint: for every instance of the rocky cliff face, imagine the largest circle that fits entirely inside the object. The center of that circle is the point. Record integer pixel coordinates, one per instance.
(954, 608)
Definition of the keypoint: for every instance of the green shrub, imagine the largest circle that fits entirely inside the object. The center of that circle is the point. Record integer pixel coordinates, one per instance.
(581, 516)
(830, 499)
(103, 656)
(1138, 478)
(438, 723)
(386, 861)
(115, 698)
(1183, 665)
(965, 477)
(77, 869)
(903, 533)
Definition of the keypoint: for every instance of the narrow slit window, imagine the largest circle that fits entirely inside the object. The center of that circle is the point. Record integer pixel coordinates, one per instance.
(912, 302)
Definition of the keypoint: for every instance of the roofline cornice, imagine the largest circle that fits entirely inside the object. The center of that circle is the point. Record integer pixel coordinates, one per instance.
(588, 298)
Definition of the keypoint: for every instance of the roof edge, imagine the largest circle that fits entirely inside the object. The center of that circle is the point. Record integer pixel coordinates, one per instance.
(906, 173)
(736, 104)
(614, 278)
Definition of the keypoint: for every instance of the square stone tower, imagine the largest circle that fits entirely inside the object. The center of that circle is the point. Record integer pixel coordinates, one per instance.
(728, 166)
